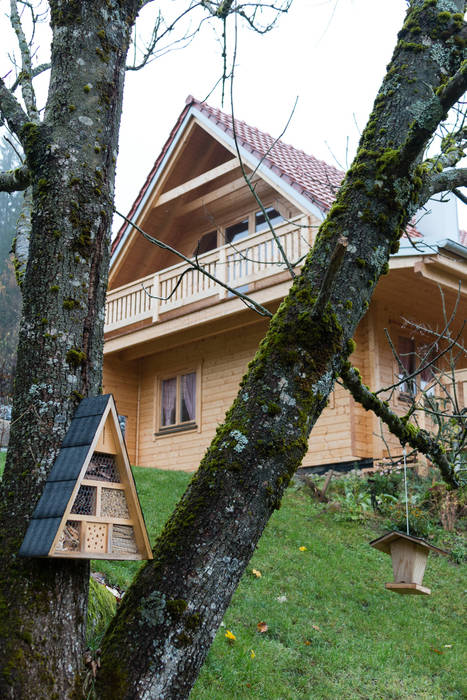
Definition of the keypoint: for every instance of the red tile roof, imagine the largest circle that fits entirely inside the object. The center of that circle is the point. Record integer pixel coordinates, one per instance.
(312, 178)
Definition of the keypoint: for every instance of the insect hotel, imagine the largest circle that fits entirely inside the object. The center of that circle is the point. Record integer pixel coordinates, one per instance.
(409, 556)
(89, 508)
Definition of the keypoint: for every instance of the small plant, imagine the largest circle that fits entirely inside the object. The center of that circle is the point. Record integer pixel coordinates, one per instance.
(384, 489)
(420, 523)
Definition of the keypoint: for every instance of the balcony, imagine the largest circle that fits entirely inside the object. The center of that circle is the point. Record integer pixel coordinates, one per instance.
(238, 265)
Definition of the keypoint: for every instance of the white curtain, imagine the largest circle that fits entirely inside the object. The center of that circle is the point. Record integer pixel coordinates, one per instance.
(169, 396)
(188, 396)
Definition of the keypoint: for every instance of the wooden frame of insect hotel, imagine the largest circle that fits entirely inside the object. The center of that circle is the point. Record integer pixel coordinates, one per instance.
(89, 508)
(409, 556)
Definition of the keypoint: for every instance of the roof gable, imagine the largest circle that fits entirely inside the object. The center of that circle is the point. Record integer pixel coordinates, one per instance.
(309, 182)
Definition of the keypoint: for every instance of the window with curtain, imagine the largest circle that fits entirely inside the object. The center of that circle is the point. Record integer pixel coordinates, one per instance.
(406, 352)
(177, 410)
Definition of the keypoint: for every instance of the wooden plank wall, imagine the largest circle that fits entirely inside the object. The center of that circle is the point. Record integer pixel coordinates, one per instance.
(122, 380)
(223, 361)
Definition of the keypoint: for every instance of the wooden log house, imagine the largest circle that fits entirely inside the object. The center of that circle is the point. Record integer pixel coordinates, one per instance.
(177, 344)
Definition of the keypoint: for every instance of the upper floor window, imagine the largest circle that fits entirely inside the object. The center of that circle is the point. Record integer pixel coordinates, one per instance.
(274, 217)
(237, 231)
(206, 243)
(406, 352)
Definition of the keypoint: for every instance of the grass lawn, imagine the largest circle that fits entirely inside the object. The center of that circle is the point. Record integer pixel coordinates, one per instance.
(332, 629)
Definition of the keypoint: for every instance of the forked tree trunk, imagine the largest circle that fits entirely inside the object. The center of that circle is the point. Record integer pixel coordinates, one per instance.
(71, 156)
(164, 628)
(161, 635)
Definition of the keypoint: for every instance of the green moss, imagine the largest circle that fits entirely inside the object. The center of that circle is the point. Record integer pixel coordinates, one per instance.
(176, 607)
(87, 88)
(75, 357)
(385, 269)
(71, 108)
(411, 46)
(69, 303)
(193, 621)
(273, 409)
(360, 262)
(349, 304)
(183, 640)
(42, 187)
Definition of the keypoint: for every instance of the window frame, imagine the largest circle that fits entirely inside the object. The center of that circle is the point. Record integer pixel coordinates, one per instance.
(179, 426)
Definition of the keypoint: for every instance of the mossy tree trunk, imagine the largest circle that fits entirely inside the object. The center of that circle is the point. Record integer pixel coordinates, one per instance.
(161, 635)
(71, 155)
(164, 628)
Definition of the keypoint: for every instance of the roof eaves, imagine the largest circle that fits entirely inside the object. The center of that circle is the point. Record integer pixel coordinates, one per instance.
(154, 172)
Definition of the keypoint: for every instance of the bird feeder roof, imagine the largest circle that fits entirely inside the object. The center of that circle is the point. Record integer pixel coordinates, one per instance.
(383, 543)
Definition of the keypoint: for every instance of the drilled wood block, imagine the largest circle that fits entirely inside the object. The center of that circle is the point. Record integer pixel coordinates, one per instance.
(96, 537)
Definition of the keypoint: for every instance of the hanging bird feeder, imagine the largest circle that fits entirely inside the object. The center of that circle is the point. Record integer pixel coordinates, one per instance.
(409, 555)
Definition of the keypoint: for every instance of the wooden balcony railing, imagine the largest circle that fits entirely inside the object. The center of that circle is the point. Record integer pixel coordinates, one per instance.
(238, 265)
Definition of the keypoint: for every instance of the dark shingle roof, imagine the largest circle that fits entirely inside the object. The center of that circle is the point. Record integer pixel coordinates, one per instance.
(61, 481)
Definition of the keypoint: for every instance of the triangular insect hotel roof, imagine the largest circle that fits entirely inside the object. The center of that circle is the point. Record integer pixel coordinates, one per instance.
(89, 508)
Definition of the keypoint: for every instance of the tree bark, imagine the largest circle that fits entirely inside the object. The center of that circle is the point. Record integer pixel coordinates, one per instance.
(162, 632)
(159, 639)
(71, 161)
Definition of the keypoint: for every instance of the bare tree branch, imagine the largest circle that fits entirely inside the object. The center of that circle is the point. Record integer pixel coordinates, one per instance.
(34, 73)
(15, 180)
(417, 438)
(11, 110)
(25, 77)
(21, 241)
(460, 195)
(447, 181)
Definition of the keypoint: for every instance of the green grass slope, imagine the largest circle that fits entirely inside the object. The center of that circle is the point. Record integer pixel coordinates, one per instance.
(330, 630)
(333, 631)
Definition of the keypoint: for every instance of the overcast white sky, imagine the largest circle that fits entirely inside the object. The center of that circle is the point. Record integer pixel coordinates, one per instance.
(331, 54)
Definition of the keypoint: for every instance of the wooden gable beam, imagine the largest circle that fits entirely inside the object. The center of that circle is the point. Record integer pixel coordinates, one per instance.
(215, 194)
(198, 181)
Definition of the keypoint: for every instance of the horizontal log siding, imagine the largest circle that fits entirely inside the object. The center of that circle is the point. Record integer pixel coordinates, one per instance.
(223, 361)
(121, 379)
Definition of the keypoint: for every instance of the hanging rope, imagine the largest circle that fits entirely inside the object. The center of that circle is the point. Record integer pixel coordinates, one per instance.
(406, 495)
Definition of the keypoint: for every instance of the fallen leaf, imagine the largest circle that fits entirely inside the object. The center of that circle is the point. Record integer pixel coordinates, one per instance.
(302, 549)
(252, 654)
(230, 636)
(307, 642)
(282, 598)
(315, 627)
(262, 627)
(256, 573)
(436, 650)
